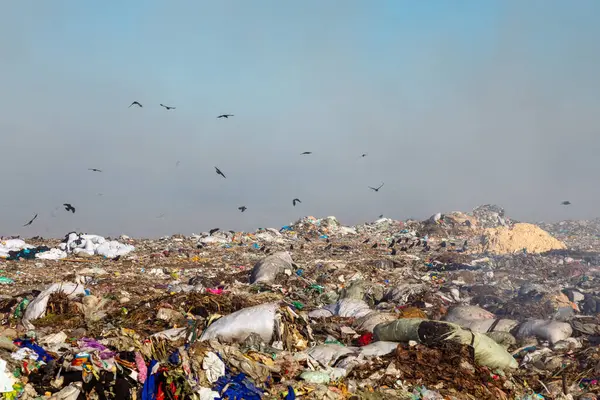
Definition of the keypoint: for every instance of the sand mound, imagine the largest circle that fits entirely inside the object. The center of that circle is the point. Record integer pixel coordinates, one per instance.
(520, 236)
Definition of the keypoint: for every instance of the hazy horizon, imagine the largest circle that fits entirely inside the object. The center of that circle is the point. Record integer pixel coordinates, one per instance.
(457, 104)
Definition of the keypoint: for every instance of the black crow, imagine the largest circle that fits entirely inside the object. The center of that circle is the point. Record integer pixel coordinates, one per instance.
(393, 252)
(167, 107)
(225, 116)
(366, 240)
(376, 189)
(296, 201)
(374, 246)
(392, 243)
(306, 152)
(32, 219)
(94, 170)
(307, 239)
(218, 171)
(213, 231)
(363, 155)
(135, 103)
(242, 208)
(328, 246)
(69, 207)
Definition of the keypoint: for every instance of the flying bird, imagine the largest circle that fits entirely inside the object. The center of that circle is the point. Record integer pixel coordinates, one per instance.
(363, 155)
(69, 207)
(296, 201)
(213, 231)
(242, 208)
(177, 163)
(225, 116)
(376, 189)
(31, 221)
(135, 103)
(306, 152)
(566, 203)
(167, 107)
(218, 171)
(94, 170)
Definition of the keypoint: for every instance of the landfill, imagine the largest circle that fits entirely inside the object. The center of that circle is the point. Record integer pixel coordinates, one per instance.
(462, 305)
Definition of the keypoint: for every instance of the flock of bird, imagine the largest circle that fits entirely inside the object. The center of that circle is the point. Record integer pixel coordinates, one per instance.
(69, 208)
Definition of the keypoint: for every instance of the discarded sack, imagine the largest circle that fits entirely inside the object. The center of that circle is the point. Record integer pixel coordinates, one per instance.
(238, 326)
(267, 269)
(487, 352)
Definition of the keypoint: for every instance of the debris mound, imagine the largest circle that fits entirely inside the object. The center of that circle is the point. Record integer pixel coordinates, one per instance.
(519, 237)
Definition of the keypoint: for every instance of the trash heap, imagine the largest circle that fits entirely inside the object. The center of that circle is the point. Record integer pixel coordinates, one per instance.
(458, 306)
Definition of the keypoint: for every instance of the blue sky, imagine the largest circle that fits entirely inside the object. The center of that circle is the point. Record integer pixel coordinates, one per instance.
(457, 103)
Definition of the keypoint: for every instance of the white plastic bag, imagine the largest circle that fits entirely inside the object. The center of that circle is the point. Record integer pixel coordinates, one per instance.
(464, 313)
(37, 308)
(328, 354)
(552, 331)
(6, 378)
(238, 326)
(268, 268)
(378, 349)
(214, 367)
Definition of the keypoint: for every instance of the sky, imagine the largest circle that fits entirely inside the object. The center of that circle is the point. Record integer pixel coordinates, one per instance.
(456, 103)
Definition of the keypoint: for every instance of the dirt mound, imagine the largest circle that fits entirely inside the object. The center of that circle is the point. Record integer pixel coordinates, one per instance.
(520, 236)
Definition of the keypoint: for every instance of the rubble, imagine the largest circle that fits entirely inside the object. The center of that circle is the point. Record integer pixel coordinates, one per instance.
(459, 306)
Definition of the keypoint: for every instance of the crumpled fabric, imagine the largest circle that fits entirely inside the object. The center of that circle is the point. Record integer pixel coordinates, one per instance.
(150, 389)
(141, 367)
(238, 387)
(29, 344)
(27, 254)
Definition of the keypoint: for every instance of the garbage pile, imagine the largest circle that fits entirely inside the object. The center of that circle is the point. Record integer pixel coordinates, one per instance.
(434, 309)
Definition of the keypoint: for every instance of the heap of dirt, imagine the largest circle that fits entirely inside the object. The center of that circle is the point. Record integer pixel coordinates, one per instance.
(533, 239)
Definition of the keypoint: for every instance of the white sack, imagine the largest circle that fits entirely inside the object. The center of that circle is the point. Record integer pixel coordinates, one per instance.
(238, 326)
(37, 308)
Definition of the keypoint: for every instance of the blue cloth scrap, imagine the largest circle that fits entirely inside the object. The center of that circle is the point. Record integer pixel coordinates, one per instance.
(43, 355)
(151, 385)
(238, 388)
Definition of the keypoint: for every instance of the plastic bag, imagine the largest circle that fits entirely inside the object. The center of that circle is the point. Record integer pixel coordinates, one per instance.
(464, 313)
(378, 349)
(552, 331)
(268, 268)
(370, 321)
(487, 351)
(237, 326)
(37, 308)
(484, 325)
(329, 354)
(214, 367)
(401, 330)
